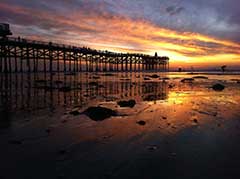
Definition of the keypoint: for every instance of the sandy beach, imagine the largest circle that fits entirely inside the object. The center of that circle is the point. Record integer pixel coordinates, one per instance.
(180, 126)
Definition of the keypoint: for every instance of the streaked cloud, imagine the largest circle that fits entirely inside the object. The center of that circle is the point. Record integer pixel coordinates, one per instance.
(133, 26)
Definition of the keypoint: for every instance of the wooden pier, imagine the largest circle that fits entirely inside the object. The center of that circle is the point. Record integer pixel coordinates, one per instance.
(22, 55)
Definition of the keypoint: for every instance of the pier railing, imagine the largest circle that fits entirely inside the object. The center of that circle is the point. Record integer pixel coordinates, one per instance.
(24, 55)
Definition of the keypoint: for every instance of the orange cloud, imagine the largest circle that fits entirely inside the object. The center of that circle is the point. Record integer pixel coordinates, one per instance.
(109, 32)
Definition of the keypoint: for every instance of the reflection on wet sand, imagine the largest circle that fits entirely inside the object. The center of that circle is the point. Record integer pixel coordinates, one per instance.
(177, 125)
(32, 92)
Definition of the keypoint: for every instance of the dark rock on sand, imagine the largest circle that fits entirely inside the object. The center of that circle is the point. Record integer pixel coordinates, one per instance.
(40, 81)
(218, 87)
(154, 76)
(142, 123)
(75, 112)
(195, 120)
(65, 89)
(70, 73)
(58, 82)
(146, 78)
(99, 113)
(150, 97)
(170, 85)
(165, 78)
(108, 74)
(15, 142)
(96, 77)
(187, 80)
(131, 103)
(200, 77)
(152, 147)
(93, 83)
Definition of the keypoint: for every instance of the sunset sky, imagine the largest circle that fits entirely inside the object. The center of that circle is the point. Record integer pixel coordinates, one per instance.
(191, 32)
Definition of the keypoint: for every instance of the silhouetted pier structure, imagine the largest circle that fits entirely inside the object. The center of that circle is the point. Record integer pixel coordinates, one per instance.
(21, 55)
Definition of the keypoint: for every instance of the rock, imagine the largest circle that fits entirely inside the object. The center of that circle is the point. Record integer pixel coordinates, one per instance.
(195, 120)
(131, 103)
(164, 117)
(146, 78)
(165, 78)
(141, 123)
(96, 77)
(75, 112)
(154, 76)
(70, 73)
(187, 80)
(99, 113)
(64, 121)
(48, 130)
(200, 77)
(108, 74)
(65, 89)
(58, 82)
(151, 148)
(40, 81)
(170, 86)
(15, 142)
(93, 83)
(62, 152)
(218, 87)
(151, 97)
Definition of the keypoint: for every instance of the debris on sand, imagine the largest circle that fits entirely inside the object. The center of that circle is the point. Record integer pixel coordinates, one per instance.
(131, 103)
(99, 113)
(218, 87)
(187, 80)
(154, 76)
(141, 123)
(200, 77)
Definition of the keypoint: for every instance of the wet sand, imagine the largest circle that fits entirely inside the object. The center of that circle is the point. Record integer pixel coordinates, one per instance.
(177, 129)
